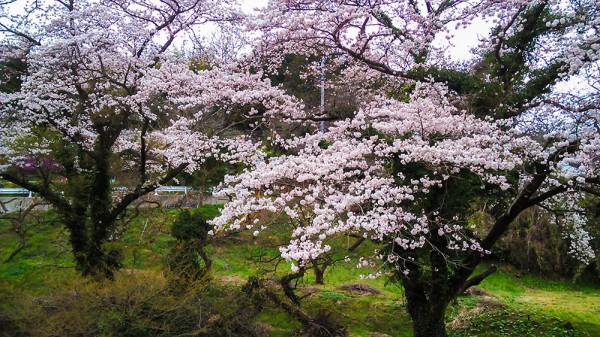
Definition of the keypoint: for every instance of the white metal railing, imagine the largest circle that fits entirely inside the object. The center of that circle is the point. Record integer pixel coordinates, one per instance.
(173, 189)
(15, 191)
(161, 189)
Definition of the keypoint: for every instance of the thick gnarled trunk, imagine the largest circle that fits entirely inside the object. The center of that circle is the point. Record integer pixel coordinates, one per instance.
(88, 219)
(427, 310)
(90, 257)
(428, 319)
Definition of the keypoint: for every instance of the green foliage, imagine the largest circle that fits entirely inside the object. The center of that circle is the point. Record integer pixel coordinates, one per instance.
(190, 227)
(592, 206)
(534, 241)
(290, 76)
(11, 70)
(331, 295)
(461, 82)
(512, 77)
(187, 261)
(324, 144)
(114, 255)
(209, 175)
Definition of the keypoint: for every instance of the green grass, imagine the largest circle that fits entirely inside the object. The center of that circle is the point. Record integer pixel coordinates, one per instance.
(526, 305)
(578, 304)
(514, 305)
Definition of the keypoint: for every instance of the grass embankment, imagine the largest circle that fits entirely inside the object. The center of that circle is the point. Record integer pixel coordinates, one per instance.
(40, 282)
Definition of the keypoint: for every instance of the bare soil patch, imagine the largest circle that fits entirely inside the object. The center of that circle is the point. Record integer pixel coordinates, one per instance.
(360, 288)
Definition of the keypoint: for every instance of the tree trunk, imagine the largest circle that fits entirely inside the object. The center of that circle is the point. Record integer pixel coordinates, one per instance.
(428, 319)
(426, 304)
(77, 238)
(319, 272)
(207, 260)
(99, 263)
(286, 285)
(90, 257)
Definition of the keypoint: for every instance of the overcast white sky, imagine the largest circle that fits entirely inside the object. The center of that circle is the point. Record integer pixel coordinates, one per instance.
(464, 39)
(249, 5)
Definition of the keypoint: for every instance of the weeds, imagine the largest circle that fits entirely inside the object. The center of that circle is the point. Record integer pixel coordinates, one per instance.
(136, 304)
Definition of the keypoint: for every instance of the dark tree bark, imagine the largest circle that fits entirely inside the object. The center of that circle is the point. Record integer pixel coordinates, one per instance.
(319, 266)
(207, 260)
(319, 273)
(428, 320)
(428, 293)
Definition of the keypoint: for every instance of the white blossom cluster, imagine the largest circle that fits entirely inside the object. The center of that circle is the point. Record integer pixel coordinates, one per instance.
(340, 182)
(347, 188)
(573, 222)
(110, 67)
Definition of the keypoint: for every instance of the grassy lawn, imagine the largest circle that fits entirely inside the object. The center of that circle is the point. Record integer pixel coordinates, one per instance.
(506, 304)
(578, 304)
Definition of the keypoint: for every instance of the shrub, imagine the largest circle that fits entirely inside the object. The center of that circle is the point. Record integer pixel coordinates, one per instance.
(188, 262)
(135, 304)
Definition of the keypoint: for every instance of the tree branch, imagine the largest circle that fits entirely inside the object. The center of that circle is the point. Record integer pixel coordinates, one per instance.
(476, 280)
(143, 190)
(44, 191)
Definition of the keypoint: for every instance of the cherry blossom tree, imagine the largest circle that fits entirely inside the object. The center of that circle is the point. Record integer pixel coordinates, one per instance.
(106, 94)
(433, 137)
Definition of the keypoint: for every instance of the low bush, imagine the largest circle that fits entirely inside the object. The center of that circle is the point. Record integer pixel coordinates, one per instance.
(136, 304)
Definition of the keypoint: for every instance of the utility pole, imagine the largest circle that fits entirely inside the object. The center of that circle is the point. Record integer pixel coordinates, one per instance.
(322, 124)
